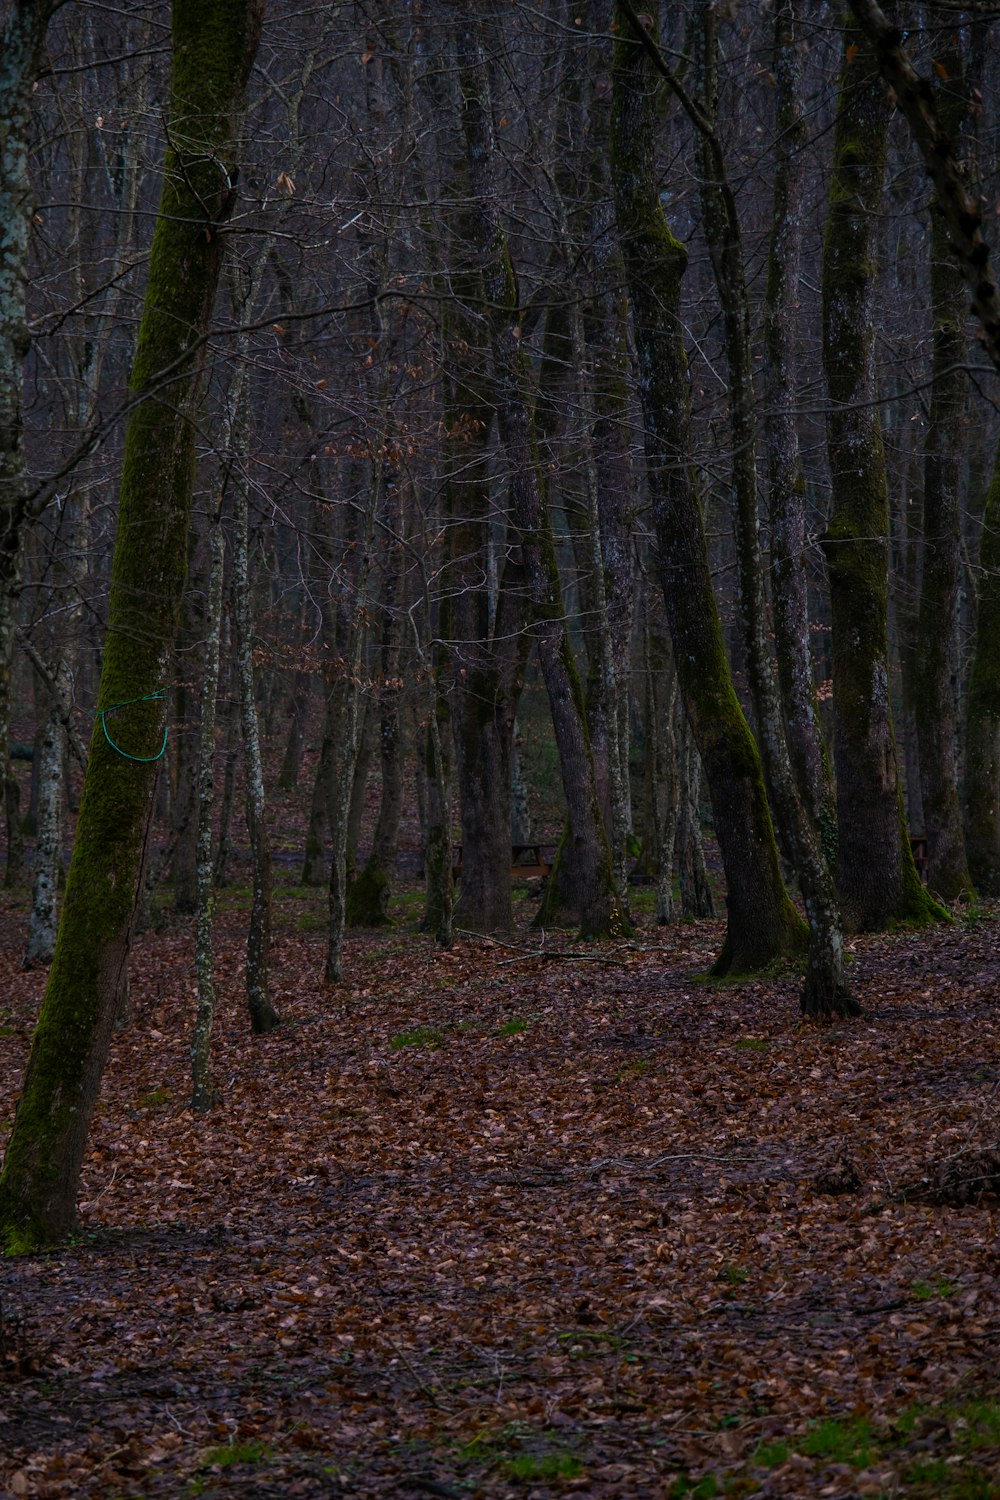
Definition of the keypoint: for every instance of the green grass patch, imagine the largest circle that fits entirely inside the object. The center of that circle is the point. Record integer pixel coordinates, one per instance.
(420, 1036)
(685, 1488)
(770, 1455)
(229, 1454)
(974, 1424)
(843, 1441)
(513, 1027)
(310, 921)
(751, 1044)
(157, 1098)
(926, 1291)
(531, 1466)
(637, 1069)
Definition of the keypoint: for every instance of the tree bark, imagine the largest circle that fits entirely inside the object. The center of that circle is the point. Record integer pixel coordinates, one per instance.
(214, 42)
(915, 97)
(786, 480)
(876, 876)
(937, 654)
(44, 919)
(825, 992)
(22, 40)
(202, 1089)
(601, 908)
(762, 922)
(982, 746)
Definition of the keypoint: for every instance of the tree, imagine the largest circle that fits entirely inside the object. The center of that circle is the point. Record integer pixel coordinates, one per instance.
(21, 41)
(213, 46)
(876, 875)
(600, 905)
(762, 922)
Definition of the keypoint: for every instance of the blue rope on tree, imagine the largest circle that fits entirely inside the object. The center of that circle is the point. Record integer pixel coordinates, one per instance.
(142, 760)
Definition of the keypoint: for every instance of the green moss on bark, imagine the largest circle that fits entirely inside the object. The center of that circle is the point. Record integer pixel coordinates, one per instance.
(763, 925)
(213, 44)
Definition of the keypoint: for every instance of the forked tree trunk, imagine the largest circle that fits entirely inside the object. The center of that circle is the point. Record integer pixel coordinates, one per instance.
(214, 42)
(763, 924)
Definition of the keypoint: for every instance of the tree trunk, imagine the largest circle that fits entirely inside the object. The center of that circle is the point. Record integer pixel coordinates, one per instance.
(368, 895)
(763, 924)
(937, 655)
(695, 886)
(44, 918)
(21, 43)
(214, 42)
(876, 876)
(202, 1089)
(663, 781)
(786, 481)
(235, 445)
(601, 909)
(982, 745)
(489, 646)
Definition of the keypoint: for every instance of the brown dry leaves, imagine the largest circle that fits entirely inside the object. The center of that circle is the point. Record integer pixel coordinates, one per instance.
(574, 1216)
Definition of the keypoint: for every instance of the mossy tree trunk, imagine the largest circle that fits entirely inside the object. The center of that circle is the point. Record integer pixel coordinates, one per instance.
(594, 887)
(876, 875)
(762, 922)
(825, 991)
(214, 42)
(937, 653)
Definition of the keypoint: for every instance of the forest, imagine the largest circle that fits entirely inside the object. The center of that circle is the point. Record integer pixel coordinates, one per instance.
(500, 743)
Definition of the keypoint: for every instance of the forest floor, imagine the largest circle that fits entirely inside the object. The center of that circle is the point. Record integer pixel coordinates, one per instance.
(522, 1220)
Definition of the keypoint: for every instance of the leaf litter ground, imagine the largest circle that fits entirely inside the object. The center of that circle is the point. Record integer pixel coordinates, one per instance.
(498, 1222)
